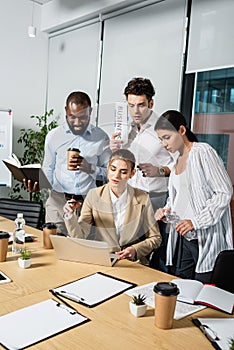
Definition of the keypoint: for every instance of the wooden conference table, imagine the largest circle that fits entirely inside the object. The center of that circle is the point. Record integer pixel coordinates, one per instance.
(112, 326)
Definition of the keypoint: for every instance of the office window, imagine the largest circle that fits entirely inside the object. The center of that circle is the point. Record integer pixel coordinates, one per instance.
(215, 91)
(213, 119)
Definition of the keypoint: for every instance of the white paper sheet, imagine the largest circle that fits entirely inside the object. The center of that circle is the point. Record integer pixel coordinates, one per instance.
(223, 328)
(93, 289)
(34, 323)
(181, 310)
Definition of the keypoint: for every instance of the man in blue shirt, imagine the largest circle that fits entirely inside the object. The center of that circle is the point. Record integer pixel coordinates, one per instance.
(93, 143)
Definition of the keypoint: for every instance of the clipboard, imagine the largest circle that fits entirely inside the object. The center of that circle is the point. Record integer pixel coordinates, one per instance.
(217, 330)
(4, 278)
(93, 289)
(36, 323)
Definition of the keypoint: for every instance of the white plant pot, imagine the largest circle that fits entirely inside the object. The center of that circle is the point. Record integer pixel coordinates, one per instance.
(24, 263)
(137, 310)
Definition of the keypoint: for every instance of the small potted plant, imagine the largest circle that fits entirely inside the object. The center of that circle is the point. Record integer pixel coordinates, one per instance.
(231, 343)
(25, 260)
(137, 305)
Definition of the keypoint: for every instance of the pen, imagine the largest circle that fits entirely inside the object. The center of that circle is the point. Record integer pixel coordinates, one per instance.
(72, 295)
(209, 333)
(63, 301)
(69, 309)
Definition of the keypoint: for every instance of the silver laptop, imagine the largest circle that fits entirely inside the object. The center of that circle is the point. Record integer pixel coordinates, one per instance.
(83, 250)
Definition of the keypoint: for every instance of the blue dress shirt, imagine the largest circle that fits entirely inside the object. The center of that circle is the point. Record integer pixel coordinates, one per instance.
(94, 147)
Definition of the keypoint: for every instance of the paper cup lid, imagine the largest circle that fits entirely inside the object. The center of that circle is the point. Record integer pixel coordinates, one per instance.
(4, 235)
(166, 289)
(49, 225)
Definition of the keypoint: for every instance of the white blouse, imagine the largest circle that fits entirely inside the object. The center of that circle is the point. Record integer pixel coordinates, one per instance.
(119, 205)
(182, 205)
(209, 193)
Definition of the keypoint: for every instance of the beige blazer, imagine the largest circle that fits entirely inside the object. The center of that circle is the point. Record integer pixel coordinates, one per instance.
(140, 229)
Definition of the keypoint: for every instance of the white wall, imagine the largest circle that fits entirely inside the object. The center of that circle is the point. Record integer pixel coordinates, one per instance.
(23, 65)
(59, 14)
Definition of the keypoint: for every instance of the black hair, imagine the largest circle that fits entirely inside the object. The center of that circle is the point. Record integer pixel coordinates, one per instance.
(140, 86)
(79, 97)
(124, 154)
(172, 120)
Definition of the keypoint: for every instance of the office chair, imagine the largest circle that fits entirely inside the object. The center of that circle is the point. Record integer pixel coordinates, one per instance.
(223, 272)
(32, 210)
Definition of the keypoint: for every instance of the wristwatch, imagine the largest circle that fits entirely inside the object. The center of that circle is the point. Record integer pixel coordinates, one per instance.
(162, 171)
(92, 168)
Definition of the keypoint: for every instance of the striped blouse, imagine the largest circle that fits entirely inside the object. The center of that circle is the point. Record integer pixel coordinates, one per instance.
(210, 191)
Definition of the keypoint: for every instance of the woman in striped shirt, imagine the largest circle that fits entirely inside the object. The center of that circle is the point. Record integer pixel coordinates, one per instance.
(200, 191)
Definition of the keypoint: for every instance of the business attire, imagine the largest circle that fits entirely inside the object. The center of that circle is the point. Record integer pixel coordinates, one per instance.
(139, 228)
(147, 148)
(206, 202)
(94, 147)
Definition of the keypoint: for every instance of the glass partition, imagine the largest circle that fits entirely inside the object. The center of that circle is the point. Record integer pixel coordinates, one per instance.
(213, 118)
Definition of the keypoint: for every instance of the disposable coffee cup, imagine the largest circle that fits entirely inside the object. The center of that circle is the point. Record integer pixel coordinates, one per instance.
(48, 229)
(165, 302)
(72, 152)
(4, 238)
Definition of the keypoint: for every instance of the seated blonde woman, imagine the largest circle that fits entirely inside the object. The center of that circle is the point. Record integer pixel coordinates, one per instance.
(117, 213)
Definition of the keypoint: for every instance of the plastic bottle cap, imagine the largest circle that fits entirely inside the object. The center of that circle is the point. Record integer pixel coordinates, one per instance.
(20, 215)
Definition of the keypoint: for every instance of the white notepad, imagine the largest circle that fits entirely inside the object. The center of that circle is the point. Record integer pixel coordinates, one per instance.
(37, 322)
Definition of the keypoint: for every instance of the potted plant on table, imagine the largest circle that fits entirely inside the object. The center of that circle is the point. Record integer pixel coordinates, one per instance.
(25, 259)
(137, 305)
(231, 343)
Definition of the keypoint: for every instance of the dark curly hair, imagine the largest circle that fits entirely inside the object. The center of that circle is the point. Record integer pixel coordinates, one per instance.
(140, 86)
(79, 97)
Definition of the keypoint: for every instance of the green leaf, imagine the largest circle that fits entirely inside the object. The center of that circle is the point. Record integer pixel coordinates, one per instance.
(33, 141)
(139, 299)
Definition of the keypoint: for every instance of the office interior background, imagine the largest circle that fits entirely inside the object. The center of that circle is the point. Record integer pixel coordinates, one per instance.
(184, 46)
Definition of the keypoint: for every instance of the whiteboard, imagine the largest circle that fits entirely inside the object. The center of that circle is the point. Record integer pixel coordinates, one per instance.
(5, 145)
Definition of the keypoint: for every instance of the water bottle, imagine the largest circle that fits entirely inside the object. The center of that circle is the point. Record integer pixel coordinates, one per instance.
(190, 235)
(19, 234)
(172, 218)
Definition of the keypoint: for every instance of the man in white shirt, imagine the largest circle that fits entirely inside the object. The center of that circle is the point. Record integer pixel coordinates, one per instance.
(153, 162)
